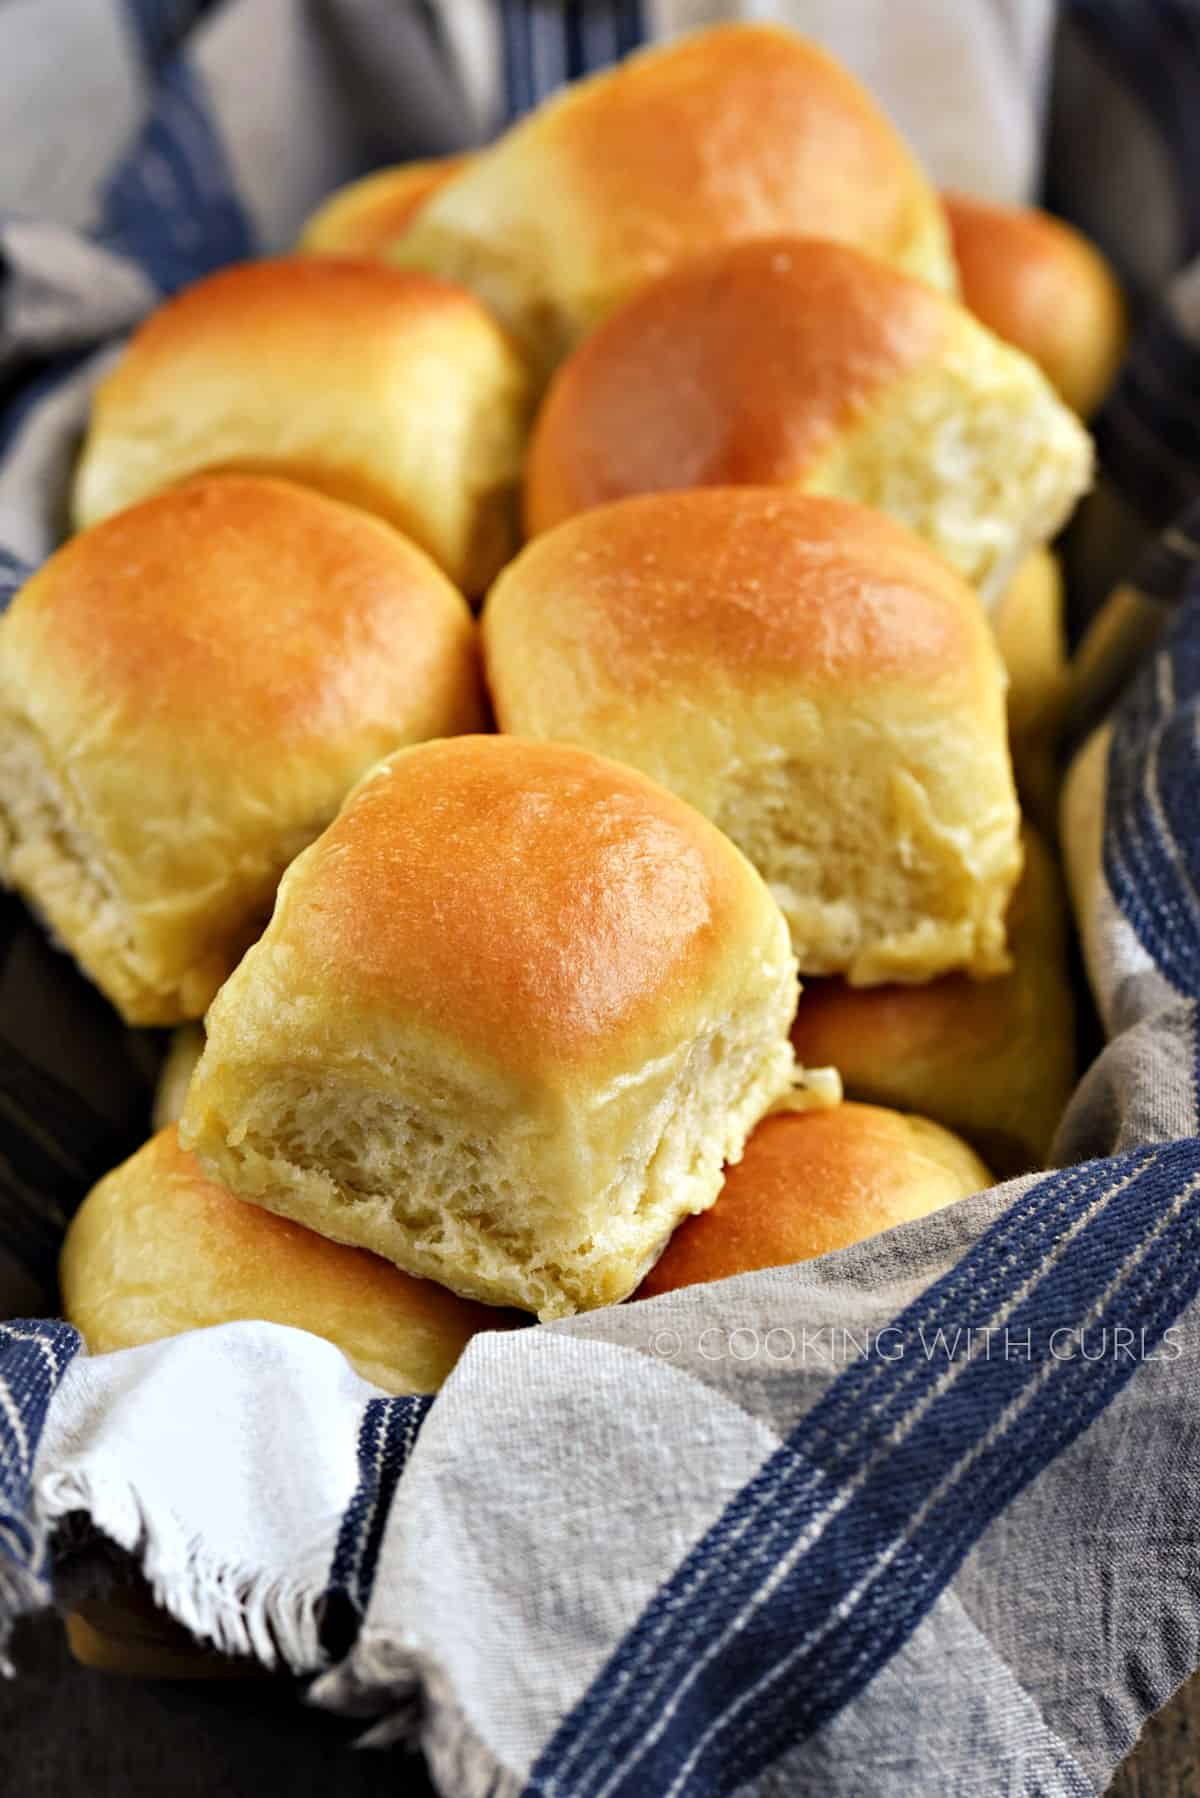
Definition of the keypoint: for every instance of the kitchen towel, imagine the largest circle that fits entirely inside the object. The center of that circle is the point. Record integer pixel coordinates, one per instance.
(919, 1516)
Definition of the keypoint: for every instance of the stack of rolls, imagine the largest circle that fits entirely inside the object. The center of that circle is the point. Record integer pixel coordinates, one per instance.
(828, 691)
(513, 1012)
(517, 940)
(739, 132)
(158, 1248)
(795, 362)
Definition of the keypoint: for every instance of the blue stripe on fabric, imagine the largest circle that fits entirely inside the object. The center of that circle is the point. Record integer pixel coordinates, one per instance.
(547, 42)
(1151, 844)
(547, 46)
(876, 1573)
(573, 20)
(386, 1438)
(1028, 1228)
(599, 36)
(33, 1358)
(160, 26)
(829, 1558)
(517, 58)
(171, 206)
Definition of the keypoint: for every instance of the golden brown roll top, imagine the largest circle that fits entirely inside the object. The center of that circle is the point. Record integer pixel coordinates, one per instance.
(1038, 283)
(994, 1060)
(365, 217)
(157, 1249)
(739, 132)
(398, 393)
(807, 675)
(739, 368)
(806, 364)
(511, 1014)
(816, 1181)
(187, 693)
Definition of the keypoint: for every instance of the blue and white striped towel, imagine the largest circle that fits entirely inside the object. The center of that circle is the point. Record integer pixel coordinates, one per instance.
(923, 1516)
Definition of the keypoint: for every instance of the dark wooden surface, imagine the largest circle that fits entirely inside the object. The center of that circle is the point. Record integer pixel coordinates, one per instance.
(69, 1733)
(1166, 1762)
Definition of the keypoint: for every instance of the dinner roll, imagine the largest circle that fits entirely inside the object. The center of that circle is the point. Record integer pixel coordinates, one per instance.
(156, 1249)
(511, 1014)
(811, 678)
(187, 693)
(792, 362)
(365, 217)
(742, 131)
(398, 393)
(1031, 633)
(994, 1060)
(1040, 285)
(816, 1181)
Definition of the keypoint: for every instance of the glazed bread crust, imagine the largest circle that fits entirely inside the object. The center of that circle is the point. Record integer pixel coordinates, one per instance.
(512, 1012)
(993, 1060)
(742, 131)
(157, 1249)
(365, 217)
(187, 693)
(807, 675)
(398, 393)
(1038, 283)
(816, 1181)
(806, 364)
